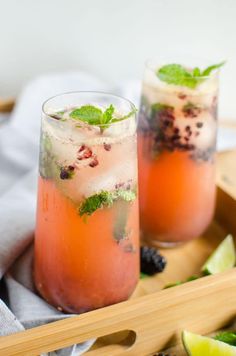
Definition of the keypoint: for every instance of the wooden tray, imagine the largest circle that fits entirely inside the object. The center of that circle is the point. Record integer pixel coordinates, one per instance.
(153, 319)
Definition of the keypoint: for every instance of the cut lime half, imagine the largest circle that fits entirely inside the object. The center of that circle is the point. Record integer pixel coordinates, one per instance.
(222, 259)
(197, 345)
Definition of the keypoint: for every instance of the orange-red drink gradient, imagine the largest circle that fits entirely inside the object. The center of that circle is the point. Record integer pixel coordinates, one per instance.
(177, 196)
(80, 266)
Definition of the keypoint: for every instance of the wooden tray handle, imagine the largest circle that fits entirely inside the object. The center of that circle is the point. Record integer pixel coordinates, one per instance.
(157, 319)
(6, 105)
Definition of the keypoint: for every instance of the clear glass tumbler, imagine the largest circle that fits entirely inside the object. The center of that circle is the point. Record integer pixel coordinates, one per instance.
(87, 230)
(176, 142)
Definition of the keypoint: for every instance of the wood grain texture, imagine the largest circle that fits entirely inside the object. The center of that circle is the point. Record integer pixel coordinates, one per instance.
(226, 181)
(157, 319)
(226, 172)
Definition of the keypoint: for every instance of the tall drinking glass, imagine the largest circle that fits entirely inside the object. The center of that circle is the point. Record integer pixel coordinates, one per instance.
(87, 230)
(177, 140)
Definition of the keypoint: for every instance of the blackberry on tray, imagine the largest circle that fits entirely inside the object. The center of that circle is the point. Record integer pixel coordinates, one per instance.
(151, 261)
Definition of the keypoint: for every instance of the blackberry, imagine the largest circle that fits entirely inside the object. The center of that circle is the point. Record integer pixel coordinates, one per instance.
(191, 110)
(151, 261)
(67, 172)
(64, 174)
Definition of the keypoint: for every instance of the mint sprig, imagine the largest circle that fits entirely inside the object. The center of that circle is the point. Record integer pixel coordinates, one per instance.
(228, 337)
(93, 115)
(176, 74)
(105, 199)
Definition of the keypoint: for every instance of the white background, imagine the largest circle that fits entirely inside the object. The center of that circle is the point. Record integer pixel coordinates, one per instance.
(112, 38)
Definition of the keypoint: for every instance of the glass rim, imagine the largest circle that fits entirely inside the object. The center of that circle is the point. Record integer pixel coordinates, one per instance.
(130, 114)
(150, 61)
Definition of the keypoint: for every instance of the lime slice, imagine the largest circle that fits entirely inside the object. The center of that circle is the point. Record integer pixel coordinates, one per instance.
(197, 345)
(222, 259)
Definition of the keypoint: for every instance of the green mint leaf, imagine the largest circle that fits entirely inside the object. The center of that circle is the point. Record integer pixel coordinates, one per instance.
(94, 202)
(116, 119)
(107, 115)
(209, 69)
(196, 72)
(176, 74)
(228, 337)
(105, 199)
(89, 114)
(95, 116)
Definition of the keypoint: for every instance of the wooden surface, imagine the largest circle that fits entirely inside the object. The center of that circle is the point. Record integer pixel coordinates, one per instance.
(157, 320)
(155, 317)
(226, 172)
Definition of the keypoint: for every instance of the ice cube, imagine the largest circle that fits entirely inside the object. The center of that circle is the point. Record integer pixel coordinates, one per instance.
(202, 129)
(120, 173)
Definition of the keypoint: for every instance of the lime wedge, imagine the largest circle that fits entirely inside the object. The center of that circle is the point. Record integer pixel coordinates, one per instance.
(197, 345)
(222, 259)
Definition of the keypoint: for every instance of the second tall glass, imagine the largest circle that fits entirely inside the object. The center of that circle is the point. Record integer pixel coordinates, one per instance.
(177, 137)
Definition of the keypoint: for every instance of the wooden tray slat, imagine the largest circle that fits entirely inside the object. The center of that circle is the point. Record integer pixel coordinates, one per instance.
(157, 319)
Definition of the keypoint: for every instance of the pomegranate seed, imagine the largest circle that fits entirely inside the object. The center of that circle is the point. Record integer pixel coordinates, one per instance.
(182, 96)
(81, 148)
(107, 147)
(84, 152)
(94, 162)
